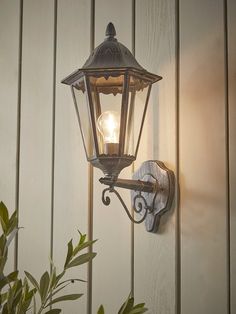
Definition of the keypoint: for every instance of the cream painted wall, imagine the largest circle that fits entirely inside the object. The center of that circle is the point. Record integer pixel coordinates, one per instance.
(188, 267)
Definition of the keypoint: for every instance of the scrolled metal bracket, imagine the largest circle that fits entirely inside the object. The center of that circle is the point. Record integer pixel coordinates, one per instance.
(152, 192)
(106, 201)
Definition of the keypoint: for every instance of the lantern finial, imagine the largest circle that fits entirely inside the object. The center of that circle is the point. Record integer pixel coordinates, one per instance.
(110, 30)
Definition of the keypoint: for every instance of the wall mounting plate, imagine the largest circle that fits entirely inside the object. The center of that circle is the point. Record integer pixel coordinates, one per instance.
(158, 202)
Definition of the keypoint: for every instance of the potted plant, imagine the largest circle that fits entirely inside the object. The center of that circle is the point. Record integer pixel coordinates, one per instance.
(27, 295)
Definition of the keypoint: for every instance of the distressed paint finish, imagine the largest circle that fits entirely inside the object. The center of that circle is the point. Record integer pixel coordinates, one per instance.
(159, 200)
(70, 192)
(203, 159)
(155, 258)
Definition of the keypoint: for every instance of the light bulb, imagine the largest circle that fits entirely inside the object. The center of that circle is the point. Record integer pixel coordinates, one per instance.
(108, 124)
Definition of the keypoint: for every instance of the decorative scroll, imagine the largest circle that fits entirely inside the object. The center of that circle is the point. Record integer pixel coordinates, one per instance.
(140, 204)
(152, 192)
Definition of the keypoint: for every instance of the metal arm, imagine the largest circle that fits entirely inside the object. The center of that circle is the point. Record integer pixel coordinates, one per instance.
(106, 201)
(140, 204)
(152, 191)
(135, 185)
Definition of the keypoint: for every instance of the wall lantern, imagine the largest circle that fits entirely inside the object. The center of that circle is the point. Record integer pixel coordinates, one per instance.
(107, 91)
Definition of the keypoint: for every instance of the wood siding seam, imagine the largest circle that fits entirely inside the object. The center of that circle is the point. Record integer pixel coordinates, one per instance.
(132, 166)
(90, 183)
(53, 130)
(177, 189)
(227, 165)
(92, 25)
(18, 134)
(133, 27)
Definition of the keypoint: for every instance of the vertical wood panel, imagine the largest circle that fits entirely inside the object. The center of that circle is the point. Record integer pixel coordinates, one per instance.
(232, 143)
(203, 158)
(202, 150)
(155, 253)
(71, 190)
(9, 43)
(111, 271)
(36, 136)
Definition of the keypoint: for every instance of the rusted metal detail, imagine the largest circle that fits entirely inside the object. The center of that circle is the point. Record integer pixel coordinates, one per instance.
(124, 110)
(111, 58)
(110, 30)
(155, 171)
(106, 201)
(111, 53)
(135, 185)
(111, 165)
(112, 69)
(152, 192)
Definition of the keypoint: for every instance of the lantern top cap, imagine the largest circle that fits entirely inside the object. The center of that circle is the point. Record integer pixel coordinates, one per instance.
(111, 54)
(110, 30)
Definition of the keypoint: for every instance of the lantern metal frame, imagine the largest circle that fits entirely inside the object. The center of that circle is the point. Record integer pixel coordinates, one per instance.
(152, 187)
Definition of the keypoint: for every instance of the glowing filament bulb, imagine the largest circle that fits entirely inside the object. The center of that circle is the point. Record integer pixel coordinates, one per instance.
(108, 125)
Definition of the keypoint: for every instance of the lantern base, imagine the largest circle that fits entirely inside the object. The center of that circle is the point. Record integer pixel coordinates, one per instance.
(111, 165)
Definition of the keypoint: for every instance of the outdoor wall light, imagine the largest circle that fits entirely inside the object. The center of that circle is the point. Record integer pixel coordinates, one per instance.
(107, 91)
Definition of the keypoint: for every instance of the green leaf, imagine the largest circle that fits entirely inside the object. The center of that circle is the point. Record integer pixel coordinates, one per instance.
(58, 277)
(53, 277)
(12, 276)
(82, 238)
(3, 240)
(4, 226)
(32, 280)
(124, 305)
(67, 297)
(69, 253)
(82, 246)
(13, 223)
(34, 304)
(138, 310)
(3, 261)
(129, 305)
(26, 300)
(72, 280)
(55, 292)
(3, 297)
(53, 311)
(101, 310)
(44, 284)
(4, 216)
(17, 293)
(84, 258)
(5, 309)
(129, 308)
(11, 237)
(140, 305)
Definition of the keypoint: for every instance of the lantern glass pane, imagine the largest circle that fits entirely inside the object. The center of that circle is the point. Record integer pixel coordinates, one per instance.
(138, 90)
(82, 109)
(107, 98)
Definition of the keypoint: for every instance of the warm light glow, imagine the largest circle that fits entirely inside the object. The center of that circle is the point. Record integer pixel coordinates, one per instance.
(108, 125)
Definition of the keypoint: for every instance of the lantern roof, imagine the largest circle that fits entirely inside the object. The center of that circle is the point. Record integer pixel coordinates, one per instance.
(111, 55)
